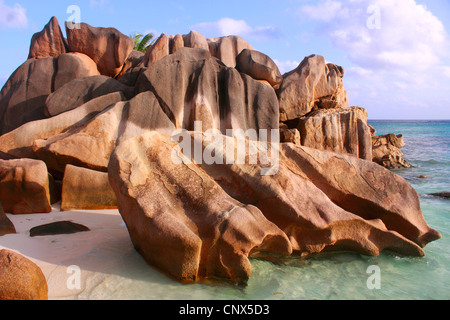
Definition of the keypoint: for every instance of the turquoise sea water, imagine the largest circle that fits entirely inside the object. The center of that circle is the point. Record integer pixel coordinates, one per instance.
(338, 275)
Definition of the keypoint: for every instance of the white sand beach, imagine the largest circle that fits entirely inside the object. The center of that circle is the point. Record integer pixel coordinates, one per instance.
(109, 266)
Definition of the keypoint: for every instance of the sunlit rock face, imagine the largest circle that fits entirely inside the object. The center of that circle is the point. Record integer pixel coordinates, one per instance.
(210, 154)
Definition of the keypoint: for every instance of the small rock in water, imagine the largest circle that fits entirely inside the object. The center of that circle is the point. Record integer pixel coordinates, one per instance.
(56, 228)
(445, 195)
(423, 176)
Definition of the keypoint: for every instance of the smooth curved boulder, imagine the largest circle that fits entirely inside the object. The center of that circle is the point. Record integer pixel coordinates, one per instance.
(182, 94)
(6, 226)
(20, 278)
(19, 142)
(226, 49)
(23, 97)
(80, 91)
(302, 202)
(191, 86)
(181, 221)
(73, 66)
(49, 42)
(159, 50)
(343, 130)
(84, 189)
(24, 186)
(365, 189)
(89, 143)
(176, 43)
(312, 84)
(108, 47)
(195, 40)
(249, 104)
(259, 66)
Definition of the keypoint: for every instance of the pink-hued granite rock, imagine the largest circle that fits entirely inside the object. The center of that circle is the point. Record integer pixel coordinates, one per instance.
(24, 186)
(20, 278)
(50, 42)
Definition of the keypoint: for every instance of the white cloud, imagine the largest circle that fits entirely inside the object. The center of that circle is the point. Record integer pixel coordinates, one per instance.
(409, 34)
(324, 11)
(13, 17)
(229, 26)
(399, 61)
(446, 71)
(97, 3)
(286, 66)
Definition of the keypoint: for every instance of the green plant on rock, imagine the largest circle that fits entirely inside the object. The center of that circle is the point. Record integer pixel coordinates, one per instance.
(142, 43)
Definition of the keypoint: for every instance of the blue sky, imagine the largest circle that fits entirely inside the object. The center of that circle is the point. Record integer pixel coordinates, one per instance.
(396, 53)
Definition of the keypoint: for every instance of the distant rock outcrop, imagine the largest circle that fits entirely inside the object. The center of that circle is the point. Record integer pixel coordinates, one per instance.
(313, 84)
(386, 151)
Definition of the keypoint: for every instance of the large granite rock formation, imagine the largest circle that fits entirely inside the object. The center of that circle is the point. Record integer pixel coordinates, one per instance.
(108, 47)
(22, 98)
(179, 218)
(107, 122)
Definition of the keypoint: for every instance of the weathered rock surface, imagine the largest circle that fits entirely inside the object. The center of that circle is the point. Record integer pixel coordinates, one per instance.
(290, 136)
(175, 206)
(343, 130)
(23, 97)
(19, 143)
(313, 200)
(6, 226)
(89, 143)
(109, 141)
(159, 50)
(134, 59)
(78, 92)
(386, 151)
(73, 65)
(180, 220)
(226, 49)
(57, 228)
(50, 42)
(24, 186)
(192, 86)
(108, 47)
(84, 189)
(20, 278)
(367, 190)
(259, 66)
(312, 84)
